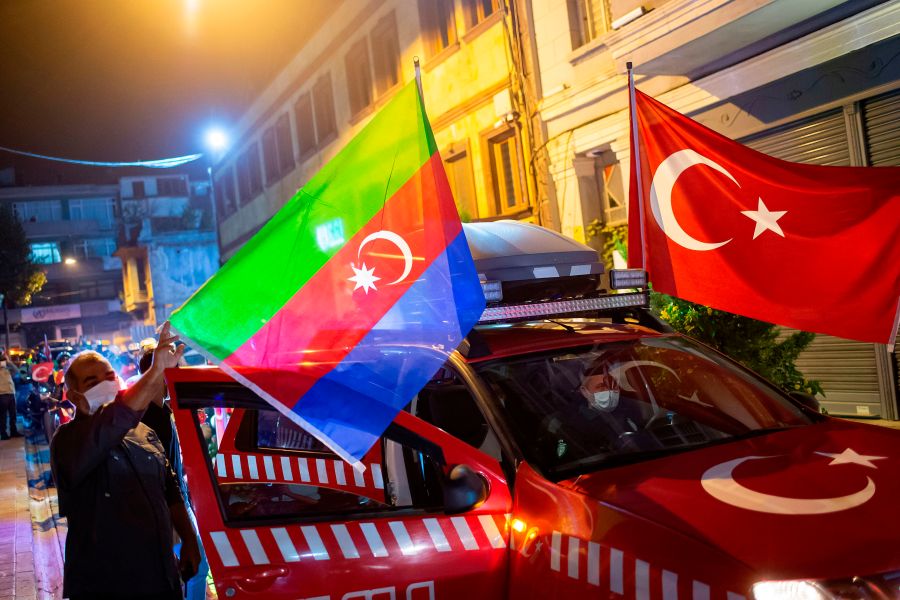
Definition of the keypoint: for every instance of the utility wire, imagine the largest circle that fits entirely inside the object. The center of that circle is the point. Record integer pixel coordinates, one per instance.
(162, 163)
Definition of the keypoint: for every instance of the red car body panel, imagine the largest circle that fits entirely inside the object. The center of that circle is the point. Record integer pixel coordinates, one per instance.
(661, 529)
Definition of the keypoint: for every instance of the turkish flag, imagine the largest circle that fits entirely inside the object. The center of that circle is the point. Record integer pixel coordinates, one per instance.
(41, 372)
(810, 247)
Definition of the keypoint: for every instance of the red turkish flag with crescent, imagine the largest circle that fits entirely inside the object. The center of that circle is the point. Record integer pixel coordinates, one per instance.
(805, 246)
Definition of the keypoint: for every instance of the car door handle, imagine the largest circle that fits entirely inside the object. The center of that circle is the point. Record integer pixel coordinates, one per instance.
(257, 579)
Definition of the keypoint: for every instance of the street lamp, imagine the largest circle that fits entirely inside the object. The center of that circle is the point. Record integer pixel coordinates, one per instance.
(216, 140)
(70, 261)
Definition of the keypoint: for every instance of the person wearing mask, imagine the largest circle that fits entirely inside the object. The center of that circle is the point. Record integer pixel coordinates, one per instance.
(7, 398)
(116, 487)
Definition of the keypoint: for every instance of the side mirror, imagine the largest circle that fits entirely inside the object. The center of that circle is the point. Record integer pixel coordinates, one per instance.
(807, 400)
(464, 489)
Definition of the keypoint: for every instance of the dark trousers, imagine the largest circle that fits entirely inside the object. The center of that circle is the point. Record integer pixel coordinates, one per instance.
(7, 411)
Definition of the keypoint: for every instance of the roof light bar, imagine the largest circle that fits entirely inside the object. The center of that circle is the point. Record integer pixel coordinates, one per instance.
(561, 307)
(623, 279)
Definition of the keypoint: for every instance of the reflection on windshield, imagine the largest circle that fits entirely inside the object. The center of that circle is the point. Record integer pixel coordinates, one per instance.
(575, 411)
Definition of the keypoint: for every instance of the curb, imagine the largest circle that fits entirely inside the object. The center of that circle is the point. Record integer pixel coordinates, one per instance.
(49, 541)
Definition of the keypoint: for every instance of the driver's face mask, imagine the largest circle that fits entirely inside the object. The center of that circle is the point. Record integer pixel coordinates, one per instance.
(602, 400)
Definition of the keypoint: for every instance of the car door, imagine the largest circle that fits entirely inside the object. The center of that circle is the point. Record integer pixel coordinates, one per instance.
(282, 517)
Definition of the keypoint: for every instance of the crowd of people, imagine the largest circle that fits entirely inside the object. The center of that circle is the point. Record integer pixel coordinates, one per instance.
(115, 464)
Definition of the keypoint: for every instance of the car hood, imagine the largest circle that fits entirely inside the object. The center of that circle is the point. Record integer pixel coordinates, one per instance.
(812, 502)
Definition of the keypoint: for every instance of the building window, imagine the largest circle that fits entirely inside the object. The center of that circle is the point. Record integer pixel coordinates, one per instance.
(359, 76)
(254, 172)
(612, 190)
(323, 99)
(171, 186)
(100, 210)
(459, 174)
(588, 20)
(94, 248)
(225, 196)
(243, 179)
(386, 54)
(306, 132)
(285, 143)
(477, 11)
(270, 154)
(438, 23)
(505, 172)
(45, 253)
(138, 190)
(38, 211)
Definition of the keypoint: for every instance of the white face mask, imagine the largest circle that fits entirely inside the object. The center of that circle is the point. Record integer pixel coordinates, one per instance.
(603, 400)
(102, 393)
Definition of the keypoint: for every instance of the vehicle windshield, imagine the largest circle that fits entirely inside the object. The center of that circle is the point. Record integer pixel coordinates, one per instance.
(577, 410)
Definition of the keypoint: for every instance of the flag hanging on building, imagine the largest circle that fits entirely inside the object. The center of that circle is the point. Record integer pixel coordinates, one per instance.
(811, 247)
(343, 306)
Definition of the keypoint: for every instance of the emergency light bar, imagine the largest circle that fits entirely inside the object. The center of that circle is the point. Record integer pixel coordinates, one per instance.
(560, 307)
(623, 279)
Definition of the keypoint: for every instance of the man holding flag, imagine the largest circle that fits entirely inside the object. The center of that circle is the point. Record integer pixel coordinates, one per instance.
(367, 260)
(805, 246)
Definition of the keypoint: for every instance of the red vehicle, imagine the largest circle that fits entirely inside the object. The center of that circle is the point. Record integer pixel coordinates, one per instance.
(570, 448)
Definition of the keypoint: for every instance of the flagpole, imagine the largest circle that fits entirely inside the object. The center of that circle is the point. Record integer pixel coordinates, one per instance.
(637, 163)
(418, 78)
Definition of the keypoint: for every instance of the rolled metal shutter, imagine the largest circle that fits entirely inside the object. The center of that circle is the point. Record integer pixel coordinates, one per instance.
(846, 369)
(881, 124)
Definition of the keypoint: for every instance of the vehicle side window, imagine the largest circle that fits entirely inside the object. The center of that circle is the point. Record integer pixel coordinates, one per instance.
(447, 403)
(264, 466)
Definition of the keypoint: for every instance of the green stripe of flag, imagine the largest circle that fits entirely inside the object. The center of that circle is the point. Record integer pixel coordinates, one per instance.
(301, 237)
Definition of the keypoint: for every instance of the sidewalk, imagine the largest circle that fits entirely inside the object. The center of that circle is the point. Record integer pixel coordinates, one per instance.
(16, 557)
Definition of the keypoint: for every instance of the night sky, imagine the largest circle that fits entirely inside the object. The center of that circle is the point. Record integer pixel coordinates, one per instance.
(125, 80)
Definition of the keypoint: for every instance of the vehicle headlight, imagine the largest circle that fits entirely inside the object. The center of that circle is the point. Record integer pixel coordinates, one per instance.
(789, 590)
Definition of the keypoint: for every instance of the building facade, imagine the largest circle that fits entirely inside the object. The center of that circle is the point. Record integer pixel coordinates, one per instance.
(814, 82)
(166, 243)
(353, 65)
(72, 233)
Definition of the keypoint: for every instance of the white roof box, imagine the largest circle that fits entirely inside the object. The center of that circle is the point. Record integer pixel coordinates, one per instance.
(510, 251)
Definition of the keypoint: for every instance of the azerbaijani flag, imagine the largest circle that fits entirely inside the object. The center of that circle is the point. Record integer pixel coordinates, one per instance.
(343, 306)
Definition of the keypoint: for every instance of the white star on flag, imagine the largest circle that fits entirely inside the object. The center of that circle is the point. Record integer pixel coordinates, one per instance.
(363, 278)
(850, 457)
(766, 220)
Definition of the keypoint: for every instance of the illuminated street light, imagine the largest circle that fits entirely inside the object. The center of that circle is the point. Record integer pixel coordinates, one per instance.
(216, 140)
(70, 261)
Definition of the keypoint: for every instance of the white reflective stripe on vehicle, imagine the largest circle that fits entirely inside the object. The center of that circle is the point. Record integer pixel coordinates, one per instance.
(251, 466)
(254, 547)
(224, 549)
(339, 476)
(574, 551)
(373, 538)
(402, 537)
(464, 533)
(316, 547)
(701, 591)
(615, 571)
(555, 544)
(359, 478)
(269, 466)
(593, 563)
(641, 580)
(303, 467)
(221, 469)
(491, 530)
(377, 479)
(236, 466)
(285, 544)
(437, 535)
(286, 468)
(670, 585)
(321, 471)
(345, 541)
